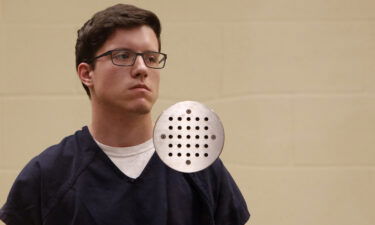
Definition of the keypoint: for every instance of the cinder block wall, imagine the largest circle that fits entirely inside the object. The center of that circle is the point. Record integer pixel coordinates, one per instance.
(293, 82)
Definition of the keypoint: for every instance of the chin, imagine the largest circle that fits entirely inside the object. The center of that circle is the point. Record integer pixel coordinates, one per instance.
(141, 108)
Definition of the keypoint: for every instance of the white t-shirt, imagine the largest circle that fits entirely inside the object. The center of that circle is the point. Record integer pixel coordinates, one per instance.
(130, 160)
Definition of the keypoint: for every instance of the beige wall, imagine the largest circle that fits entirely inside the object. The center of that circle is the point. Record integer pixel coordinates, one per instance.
(293, 82)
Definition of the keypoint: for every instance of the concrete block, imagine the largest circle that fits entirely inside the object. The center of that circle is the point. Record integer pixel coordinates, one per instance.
(1, 11)
(45, 12)
(241, 10)
(303, 57)
(308, 10)
(48, 12)
(32, 124)
(335, 130)
(307, 196)
(38, 60)
(1, 97)
(1, 132)
(258, 130)
(193, 70)
(2, 53)
(369, 85)
(6, 182)
(154, 6)
(160, 106)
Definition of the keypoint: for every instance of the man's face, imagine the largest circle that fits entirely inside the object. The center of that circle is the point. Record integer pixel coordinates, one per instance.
(127, 89)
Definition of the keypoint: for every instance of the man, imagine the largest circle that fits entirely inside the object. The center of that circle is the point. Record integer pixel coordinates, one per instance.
(109, 173)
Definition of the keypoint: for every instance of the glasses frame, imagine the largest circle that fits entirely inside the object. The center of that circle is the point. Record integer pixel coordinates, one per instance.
(135, 58)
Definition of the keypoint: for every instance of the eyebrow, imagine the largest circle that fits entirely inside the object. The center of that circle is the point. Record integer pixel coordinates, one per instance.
(128, 49)
(121, 49)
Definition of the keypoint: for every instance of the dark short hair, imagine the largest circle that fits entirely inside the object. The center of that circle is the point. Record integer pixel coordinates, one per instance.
(96, 31)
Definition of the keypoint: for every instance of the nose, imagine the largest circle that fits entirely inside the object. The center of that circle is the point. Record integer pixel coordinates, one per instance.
(139, 69)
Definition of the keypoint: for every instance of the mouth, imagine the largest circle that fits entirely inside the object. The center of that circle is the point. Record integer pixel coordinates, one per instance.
(140, 86)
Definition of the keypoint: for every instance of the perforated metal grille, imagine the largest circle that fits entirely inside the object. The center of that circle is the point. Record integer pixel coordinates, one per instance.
(188, 136)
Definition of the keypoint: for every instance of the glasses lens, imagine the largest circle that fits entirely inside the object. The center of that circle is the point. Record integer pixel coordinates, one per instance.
(154, 59)
(123, 57)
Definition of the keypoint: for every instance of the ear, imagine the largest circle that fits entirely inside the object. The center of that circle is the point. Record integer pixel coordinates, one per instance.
(85, 72)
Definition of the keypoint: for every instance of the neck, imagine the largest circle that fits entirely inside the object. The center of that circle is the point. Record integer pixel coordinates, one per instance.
(119, 129)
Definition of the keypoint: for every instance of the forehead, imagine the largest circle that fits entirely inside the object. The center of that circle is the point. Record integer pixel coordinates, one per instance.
(141, 38)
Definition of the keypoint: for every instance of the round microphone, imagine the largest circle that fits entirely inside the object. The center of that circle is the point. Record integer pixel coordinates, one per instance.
(188, 136)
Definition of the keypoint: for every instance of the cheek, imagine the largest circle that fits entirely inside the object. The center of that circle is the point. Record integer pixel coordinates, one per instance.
(156, 83)
(111, 77)
(156, 80)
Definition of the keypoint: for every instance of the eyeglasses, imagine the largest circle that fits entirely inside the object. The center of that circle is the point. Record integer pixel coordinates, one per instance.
(122, 57)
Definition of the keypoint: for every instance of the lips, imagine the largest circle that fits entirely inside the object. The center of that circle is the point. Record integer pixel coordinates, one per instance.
(141, 86)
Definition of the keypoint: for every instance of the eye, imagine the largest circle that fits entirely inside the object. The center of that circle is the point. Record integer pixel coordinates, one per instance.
(122, 55)
(151, 58)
